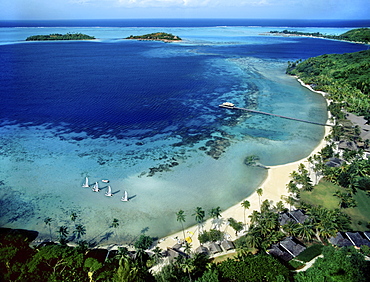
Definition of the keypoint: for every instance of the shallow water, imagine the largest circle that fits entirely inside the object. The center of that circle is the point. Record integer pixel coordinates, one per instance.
(145, 116)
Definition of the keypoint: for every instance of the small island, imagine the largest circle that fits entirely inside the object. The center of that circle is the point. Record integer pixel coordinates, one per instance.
(358, 35)
(58, 36)
(157, 36)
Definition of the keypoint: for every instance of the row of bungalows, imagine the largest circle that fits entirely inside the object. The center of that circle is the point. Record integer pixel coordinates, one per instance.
(287, 249)
(210, 249)
(356, 239)
(290, 247)
(213, 248)
(296, 216)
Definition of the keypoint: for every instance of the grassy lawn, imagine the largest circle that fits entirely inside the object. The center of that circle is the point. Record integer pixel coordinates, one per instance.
(322, 195)
(224, 257)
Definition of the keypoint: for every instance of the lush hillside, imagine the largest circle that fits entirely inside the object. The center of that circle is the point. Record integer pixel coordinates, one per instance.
(361, 35)
(57, 36)
(356, 35)
(161, 36)
(345, 77)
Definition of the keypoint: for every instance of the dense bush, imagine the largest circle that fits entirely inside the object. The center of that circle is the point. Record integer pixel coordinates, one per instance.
(252, 268)
(58, 36)
(210, 236)
(345, 77)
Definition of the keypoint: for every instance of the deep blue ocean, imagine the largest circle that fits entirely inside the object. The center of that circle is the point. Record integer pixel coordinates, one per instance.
(145, 115)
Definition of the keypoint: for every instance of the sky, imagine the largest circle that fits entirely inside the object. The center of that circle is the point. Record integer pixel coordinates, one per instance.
(127, 9)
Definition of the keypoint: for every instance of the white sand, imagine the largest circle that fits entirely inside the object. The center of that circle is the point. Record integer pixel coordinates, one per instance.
(274, 187)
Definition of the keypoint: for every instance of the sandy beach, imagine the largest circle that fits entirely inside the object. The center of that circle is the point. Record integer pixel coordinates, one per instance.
(274, 187)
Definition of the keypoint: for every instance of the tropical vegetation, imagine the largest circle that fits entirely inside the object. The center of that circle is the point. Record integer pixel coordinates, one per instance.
(161, 36)
(344, 77)
(58, 36)
(360, 35)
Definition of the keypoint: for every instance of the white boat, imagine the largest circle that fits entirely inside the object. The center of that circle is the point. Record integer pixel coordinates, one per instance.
(86, 184)
(125, 197)
(95, 188)
(109, 192)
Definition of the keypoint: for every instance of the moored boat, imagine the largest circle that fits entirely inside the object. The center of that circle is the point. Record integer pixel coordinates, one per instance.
(125, 197)
(109, 192)
(86, 184)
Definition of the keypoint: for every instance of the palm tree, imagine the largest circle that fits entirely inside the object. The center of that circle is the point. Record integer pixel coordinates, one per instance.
(187, 265)
(47, 222)
(246, 205)
(305, 230)
(187, 248)
(199, 215)
(115, 223)
(292, 187)
(215, 213)
(265, 207)
(280, 206)
(255, 216)
(290, 228)
(289, 200)
(63, 231)
(73, 216)
(157, 254)
(180, 217)
(80, 230)
(259, 192)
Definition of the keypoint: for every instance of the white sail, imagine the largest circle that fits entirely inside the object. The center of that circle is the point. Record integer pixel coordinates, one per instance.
(86, 184)
(125, 197)
(96, 187)
(109, 192)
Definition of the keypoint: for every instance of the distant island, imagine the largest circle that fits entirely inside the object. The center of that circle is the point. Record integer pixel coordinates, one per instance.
(157, 36)
(358, 35)
(57, 36)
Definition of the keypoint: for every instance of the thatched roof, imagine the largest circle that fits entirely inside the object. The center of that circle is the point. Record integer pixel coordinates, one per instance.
(202, 250)
(214, 248)
(227, 245)
(357, 239)
(280, 253)
(292, 246)
(340, 240)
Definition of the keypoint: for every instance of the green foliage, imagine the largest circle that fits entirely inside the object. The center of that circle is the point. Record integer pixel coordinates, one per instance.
(210, 236)
(170, 273)
(361, 35)
(310, 253)
(58, 36)
(14, 253)
(344, 264)
(156, 36)
(365, 250)
(55, 262)
(345, 77)
(257, 268)
(296, 264)
(144, 242)
(251, 160)
(236, 225)
(209, 276)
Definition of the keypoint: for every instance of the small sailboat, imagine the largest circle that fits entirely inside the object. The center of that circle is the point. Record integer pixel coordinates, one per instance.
(125, 197)
(95, 188)
(86, 184)
(109, 192)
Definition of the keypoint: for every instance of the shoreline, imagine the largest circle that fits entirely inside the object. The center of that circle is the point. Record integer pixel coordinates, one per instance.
(273, 187)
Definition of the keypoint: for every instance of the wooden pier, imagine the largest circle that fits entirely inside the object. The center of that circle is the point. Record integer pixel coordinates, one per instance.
(231, 106)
